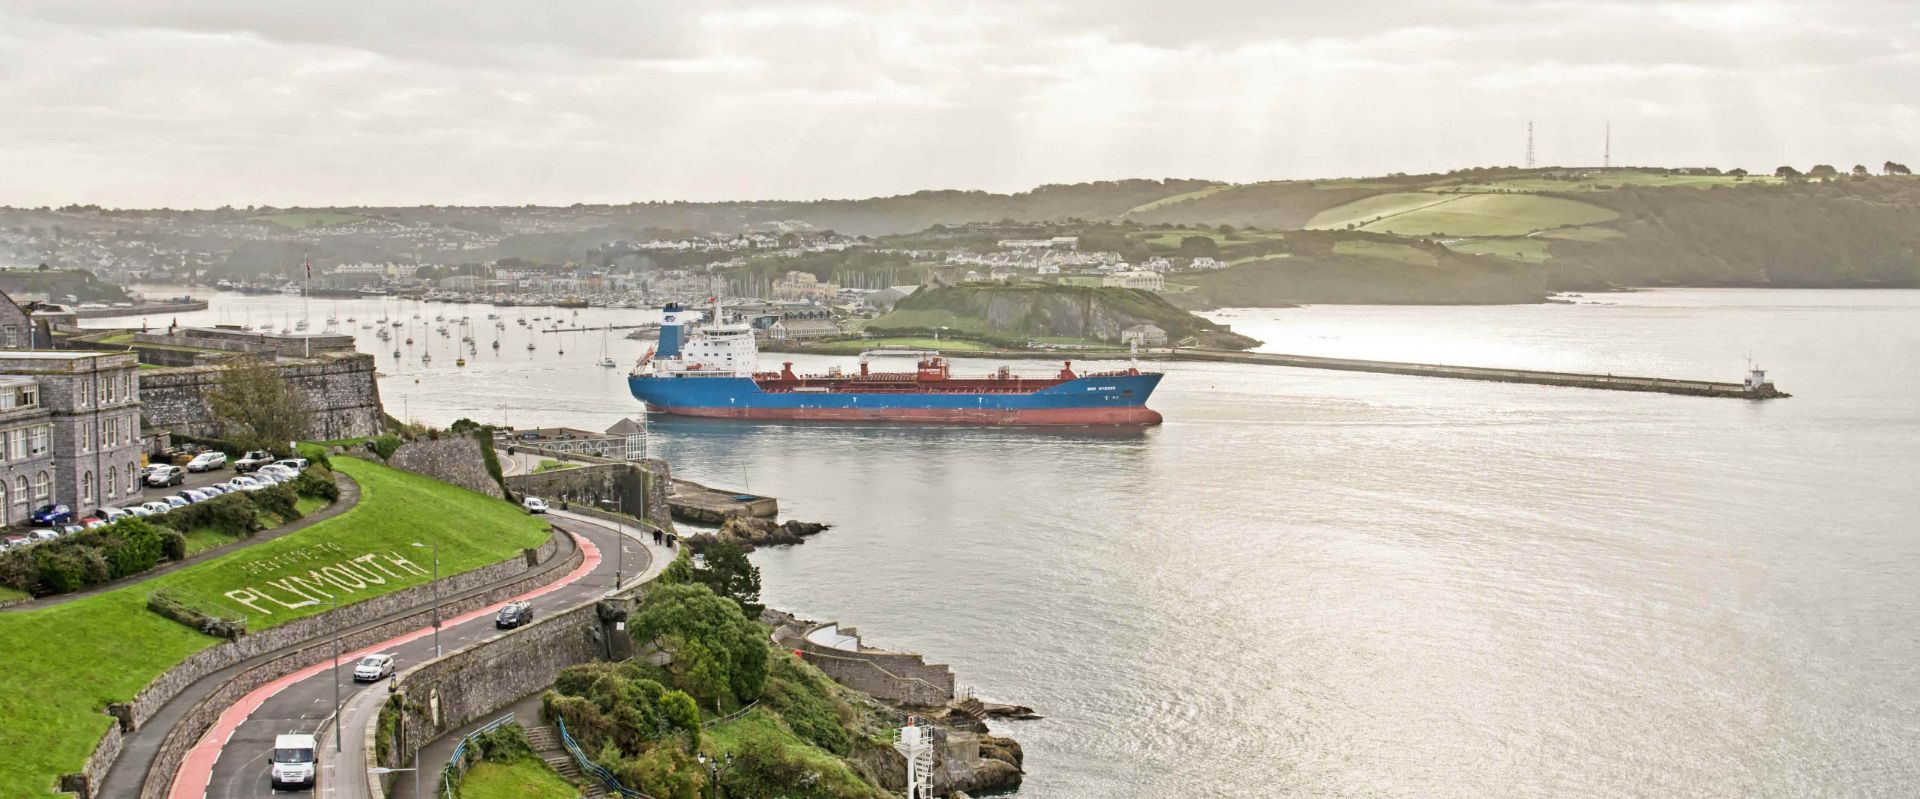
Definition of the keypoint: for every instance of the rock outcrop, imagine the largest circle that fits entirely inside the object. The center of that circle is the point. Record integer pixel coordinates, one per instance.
(751, 533)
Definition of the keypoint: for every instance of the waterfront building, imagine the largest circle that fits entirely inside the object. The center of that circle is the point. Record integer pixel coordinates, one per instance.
(803, 286)
(802, 329)
(93, 404)
(1145, 335)
(1136, 279)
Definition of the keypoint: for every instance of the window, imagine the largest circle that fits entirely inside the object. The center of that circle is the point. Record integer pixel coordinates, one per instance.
(133, 478)
(20, 490)
(113, 482)
(110, 390)
(42, 486)
(16, 444)
(37, 440)
(12, 337)
(86, 488)
(86, 437)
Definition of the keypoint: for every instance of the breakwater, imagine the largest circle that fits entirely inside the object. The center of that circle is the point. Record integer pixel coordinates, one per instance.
(148, 309)
(1694, 388)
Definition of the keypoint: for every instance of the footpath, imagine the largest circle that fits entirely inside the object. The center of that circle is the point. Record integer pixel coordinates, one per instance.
(140, 747)
(349, 496)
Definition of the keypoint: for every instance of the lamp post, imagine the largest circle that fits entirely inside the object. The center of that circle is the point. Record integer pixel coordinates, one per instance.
(416, 771)
(436, 593)
(620, 541)
(716, 766)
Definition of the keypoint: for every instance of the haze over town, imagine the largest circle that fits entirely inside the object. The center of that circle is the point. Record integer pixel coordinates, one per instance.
(133, 104)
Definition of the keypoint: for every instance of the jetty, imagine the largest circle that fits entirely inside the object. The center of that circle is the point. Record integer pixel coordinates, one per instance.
(1755, 387)
(693, 502)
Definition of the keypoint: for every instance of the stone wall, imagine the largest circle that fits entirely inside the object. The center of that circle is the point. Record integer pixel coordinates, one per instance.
(341, 398)
(456, 459)
(320, 647)
(893, 677)
(640, 485)
(447, 693)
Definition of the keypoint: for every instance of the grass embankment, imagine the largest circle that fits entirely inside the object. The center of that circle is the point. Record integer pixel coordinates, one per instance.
(550, 465)
(520, 779)
(202, 539)
(67, 662)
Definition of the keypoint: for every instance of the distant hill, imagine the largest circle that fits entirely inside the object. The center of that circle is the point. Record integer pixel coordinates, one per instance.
(1017, 313)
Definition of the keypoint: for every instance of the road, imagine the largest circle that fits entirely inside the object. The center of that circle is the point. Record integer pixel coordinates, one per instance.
(231, 760)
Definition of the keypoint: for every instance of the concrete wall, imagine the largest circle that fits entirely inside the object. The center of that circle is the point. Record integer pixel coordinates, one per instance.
(187, 731)
(342, 399)
(455, 459)
(639, 486)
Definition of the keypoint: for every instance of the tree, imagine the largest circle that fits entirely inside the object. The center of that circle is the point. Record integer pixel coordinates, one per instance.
(728, 573)
(1786, 172)
(719, 656)
(1822, 171)
(1892, 168)
(255, 407)
(1197, 246)
(1859, 170)
(1737, 173)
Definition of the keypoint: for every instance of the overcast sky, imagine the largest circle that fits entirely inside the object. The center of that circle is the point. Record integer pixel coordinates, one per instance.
(211, 102)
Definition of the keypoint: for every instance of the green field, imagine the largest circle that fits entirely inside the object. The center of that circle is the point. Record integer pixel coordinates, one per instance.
(1604, 181)
(521, 779)
(1393, 252)
(1492, 215)
(1179, 198)
(897, 342)
(1520, 248)
(205, 538)
(1367, 209)
(67, 662)
(301, 220)
(1584, 234)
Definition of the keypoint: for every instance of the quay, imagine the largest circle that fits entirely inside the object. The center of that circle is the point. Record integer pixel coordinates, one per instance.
(1756, 385)
(146, 309)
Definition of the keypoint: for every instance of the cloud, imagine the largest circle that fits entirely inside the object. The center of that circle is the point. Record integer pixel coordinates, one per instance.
(135, 103)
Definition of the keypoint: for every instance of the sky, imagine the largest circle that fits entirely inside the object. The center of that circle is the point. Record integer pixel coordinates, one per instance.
(136, 103)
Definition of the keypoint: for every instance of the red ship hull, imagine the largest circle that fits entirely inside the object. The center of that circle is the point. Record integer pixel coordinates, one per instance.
(1136, 415)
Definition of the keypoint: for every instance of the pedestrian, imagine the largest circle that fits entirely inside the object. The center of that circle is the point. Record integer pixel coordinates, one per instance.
(669, 540)
(656, 537)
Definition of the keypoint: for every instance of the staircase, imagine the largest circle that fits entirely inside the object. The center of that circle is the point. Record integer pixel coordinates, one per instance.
(547, 747)
(971, 708)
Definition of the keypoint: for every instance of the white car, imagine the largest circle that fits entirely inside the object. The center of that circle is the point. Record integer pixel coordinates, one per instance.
(296, 464)
(138, 510)
(112, 514)
(246, 484)
(285, 472)
(372, 668)
(158, 506)
(293, 765)
(178, 502)
(207, 462)
(534, 505)
(44, 534)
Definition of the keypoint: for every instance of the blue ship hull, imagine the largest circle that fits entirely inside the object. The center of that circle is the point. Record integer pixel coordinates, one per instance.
(1116, 399)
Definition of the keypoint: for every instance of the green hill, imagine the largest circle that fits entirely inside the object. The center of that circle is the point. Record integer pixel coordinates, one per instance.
(1018, 313)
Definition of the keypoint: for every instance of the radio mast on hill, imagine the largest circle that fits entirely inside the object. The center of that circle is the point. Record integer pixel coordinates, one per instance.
(1606, 153)
(1529, 144)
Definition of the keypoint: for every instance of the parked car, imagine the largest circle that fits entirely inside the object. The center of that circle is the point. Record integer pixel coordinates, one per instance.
(111, 514)
(373, 667)
(93, 521)
(165, 475)
(254, 459)
(293, 761)
(513, 615)
(138, 510)
(157, 506)
(207, 462)
(285, 472)
(534, 505)
(177, 502)
(52, 514)
(71, 529)
(296, 464)
(216, 489)
(43, 534)
(248, 484)
(14, 541)
(196, 495)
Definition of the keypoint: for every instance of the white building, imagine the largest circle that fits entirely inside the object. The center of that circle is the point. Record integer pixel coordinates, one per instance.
(1135, 279)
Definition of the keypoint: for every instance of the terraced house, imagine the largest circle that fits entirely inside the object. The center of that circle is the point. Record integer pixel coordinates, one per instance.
(92, 402)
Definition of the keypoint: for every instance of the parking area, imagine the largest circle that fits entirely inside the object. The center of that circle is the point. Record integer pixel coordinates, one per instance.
(194, 480)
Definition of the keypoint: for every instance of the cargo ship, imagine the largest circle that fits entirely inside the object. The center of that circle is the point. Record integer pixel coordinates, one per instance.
(712, 371)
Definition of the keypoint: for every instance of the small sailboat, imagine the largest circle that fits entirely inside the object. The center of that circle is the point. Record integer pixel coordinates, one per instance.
(606, 360)
(460, 362)
(426, 358)
(396, 353)
(496, 345)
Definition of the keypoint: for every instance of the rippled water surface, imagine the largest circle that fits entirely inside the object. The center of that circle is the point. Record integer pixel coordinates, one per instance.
(1314, 583)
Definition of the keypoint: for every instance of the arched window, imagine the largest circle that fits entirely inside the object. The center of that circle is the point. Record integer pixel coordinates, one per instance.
(43, 486)
(86, 488)
(112, 484)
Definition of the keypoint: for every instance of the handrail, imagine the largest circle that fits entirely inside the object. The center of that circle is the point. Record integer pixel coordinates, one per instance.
(729, 717)
(588, 766)
(457, 762)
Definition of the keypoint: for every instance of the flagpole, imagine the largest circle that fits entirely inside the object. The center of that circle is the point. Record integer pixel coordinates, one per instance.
(306, 307)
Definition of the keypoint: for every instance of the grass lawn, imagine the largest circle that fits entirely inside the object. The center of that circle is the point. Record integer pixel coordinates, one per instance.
(1492, 215)
(1386, 250)
(1584, 234)
(897, 343)
(758, 723)
(549, 465)
(206, 538)
(67, 662)
(521, 779)
(1521, 248)
(8, 594)
(300, 220)
(1367, 209)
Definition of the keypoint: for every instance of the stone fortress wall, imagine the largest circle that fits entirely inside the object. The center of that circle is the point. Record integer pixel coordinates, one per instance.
(341, 397)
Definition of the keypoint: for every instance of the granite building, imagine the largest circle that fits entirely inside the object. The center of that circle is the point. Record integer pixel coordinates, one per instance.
(26, 450)
(92, 401)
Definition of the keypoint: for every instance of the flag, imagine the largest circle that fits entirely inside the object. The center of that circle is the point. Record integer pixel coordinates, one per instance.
(309, 267)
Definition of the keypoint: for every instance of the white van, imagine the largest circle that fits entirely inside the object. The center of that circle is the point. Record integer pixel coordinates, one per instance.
(293, 765)
(534, 505)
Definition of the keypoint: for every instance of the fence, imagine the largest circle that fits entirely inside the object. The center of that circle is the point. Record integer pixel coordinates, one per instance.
(594, 769)
(457, 764)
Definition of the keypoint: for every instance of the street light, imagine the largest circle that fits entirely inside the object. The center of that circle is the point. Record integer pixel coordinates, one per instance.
(716, 766)
(620, 538)
(416, 771)
(436, 593)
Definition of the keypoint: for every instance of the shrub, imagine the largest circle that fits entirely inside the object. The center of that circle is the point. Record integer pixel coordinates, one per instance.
(173, 544)
(230, 514)
(316, 482)
(384, 446)
(719, 656)
(804, 697)
(505, 745)
(66, 569)
(314, 453)
(132, 546)
(18, 571)
(278, 500)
